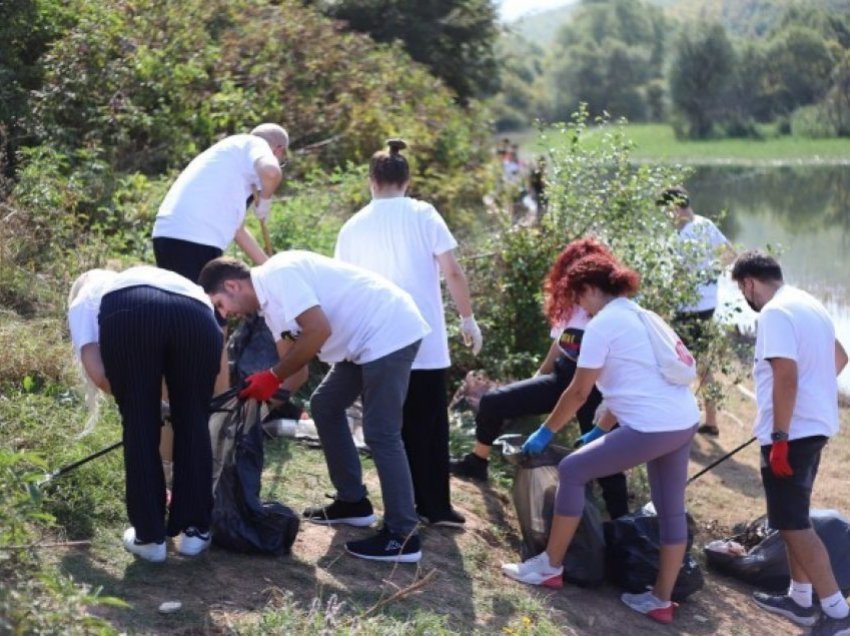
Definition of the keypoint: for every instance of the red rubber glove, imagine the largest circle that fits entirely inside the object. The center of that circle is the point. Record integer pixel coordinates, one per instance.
(261, 386)
(779, 459)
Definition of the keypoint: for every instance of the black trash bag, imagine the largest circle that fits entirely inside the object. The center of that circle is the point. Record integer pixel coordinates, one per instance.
(251, 348)
(533, 492)
(633, 550)
(240, 521)
(765, 565)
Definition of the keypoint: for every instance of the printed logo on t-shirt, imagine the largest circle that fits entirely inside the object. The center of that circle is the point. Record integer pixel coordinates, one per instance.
(569, 342)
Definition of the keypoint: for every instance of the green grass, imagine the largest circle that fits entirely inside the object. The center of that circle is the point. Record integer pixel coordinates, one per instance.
(658, 143)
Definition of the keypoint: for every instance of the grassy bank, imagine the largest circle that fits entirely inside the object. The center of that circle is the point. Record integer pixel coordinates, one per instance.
(456, 589)
(658, 143)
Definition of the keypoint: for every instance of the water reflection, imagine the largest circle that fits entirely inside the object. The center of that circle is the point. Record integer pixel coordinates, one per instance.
(805, 211)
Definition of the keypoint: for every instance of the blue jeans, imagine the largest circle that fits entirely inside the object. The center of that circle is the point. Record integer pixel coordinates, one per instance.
(382, 384)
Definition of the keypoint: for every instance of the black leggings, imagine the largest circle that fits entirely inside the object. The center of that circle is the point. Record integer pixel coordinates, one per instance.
(425, 431)
(538, 396)
(147, 334)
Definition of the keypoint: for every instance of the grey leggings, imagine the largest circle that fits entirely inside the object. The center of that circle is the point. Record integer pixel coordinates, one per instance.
(666, 457)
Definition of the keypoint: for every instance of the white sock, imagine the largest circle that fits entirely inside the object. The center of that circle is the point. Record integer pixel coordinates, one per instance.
(800, 593)
(835, 606)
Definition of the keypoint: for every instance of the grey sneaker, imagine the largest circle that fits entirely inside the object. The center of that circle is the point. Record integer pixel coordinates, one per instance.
(784, 605)
(827, 626)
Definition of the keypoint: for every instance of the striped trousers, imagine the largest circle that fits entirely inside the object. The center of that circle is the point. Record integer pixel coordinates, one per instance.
(147, 334)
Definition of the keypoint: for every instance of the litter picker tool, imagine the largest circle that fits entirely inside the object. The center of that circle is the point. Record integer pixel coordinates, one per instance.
(722, 459)
(215, 405)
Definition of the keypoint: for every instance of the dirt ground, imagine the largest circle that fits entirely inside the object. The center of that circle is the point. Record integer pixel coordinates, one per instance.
(220, 590)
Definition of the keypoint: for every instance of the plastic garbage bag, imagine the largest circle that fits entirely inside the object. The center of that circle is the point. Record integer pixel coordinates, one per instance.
(633, 549)
(533, 494)
(241, 521)
(765, 564)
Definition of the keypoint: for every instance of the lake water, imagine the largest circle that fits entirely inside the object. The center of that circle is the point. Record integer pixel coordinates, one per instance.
(802, 211)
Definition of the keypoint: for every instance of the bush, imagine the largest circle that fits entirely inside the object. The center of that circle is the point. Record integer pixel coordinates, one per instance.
(812, 121)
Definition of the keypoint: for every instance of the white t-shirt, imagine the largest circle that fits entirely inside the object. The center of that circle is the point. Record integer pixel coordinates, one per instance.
(569, 335)
(369, 317)
(700, 239)
(84, 310)
(616, 342)
(796, 326)
(206, 204)
(400, 239)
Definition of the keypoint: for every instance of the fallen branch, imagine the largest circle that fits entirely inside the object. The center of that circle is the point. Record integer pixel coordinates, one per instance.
(58, 544)
(413, 587)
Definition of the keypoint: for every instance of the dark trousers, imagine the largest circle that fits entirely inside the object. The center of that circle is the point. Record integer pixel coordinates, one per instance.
(425, 432)
(184, 257)
(538, 396)
(147, 334)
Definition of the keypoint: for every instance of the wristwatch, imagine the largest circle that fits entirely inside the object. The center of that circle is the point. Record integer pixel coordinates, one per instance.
(779, 436)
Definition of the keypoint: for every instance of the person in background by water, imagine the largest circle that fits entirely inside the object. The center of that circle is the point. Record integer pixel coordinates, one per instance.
(539, 395)
(130, 330)
(702, 243)
(797, 361)
(537, 186)
(409, 243)
(657, 422)
(369, 330)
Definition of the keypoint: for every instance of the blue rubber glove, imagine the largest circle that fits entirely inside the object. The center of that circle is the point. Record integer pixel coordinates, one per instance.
(592, 434)
(538, 441)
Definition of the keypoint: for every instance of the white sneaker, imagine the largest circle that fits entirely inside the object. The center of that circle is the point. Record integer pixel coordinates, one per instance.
(191, 542)
(148, 551)
(536, 571)
(647, 603)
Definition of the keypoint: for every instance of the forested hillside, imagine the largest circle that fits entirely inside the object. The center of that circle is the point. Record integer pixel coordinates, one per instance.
(710, 68)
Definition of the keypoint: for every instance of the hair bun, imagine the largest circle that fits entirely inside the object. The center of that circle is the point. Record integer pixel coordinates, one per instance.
(396, 145)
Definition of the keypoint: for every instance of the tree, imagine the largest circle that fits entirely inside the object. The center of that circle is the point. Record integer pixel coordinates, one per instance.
(800, 64)
(700, 76)
(455, 39)
(608, 57)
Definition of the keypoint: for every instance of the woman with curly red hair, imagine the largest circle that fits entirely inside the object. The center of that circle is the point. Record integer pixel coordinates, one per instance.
(657, 421)
(539, 394)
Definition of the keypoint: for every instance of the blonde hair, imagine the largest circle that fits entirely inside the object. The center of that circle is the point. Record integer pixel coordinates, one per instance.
(92, 392)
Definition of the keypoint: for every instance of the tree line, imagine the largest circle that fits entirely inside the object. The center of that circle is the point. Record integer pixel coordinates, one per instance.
(628, 59)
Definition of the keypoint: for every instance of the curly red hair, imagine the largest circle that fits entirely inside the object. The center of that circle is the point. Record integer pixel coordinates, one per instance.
(604, 272)
(557, 300)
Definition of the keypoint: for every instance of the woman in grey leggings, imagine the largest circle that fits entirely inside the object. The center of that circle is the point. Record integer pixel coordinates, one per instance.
(657, 423)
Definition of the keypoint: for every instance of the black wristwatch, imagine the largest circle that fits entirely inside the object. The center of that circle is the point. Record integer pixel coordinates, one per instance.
(779, 436)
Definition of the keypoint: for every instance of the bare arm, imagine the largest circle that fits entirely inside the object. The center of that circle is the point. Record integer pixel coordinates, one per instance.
(456, 282)
(292, 382)
(548, 364)
(246, 241)
(93, 366)
(784, 392)
(315, 330)
(572, 398)
(840, 357)
(270, 175)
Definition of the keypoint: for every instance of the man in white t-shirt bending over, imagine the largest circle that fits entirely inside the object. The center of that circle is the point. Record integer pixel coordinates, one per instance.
(797, 361)
(204, 210)
(702, 243)
(369, 330)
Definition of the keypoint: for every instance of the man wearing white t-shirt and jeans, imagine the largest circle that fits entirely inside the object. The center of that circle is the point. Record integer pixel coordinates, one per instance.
(797, 360)
(701, 243)
(369, 330)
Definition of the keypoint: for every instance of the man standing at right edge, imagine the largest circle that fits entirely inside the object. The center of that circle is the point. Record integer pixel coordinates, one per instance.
(797, 360)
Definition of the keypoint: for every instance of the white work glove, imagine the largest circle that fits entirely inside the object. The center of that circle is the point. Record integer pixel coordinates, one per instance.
(471, 333)
(262, 207)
